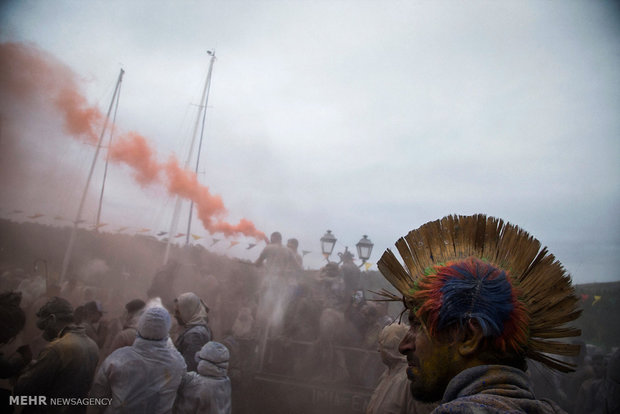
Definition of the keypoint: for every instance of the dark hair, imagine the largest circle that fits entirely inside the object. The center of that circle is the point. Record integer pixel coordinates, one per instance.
(488, 352)
(12, 317)
(135, 305)
(493, 356)
(59, 307)
(79, 315)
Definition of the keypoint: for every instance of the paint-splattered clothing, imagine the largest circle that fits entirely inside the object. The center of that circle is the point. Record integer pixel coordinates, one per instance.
(493, 389)
(64, 369)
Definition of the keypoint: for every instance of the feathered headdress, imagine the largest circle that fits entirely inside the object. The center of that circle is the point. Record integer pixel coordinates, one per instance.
(479, 267)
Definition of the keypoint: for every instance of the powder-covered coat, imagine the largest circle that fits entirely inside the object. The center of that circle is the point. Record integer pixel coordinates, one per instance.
(207, 391)
(190, 341)
(493, 389)
(142, 378)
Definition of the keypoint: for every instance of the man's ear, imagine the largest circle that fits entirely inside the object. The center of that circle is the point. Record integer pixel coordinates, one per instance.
(471, 340)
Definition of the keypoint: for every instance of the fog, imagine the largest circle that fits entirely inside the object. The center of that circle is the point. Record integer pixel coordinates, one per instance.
(358, 117)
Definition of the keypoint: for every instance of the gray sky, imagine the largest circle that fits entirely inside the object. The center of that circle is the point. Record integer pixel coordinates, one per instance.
(363, 117)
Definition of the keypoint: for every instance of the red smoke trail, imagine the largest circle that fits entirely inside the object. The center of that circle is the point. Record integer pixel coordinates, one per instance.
(28, 73)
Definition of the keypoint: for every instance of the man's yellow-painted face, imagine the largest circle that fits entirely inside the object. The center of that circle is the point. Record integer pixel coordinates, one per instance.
(430, 362)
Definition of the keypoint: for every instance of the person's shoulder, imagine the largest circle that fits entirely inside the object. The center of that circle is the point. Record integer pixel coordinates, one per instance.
(195, 331)
(466, 406)
(495, 404)
(124, 352)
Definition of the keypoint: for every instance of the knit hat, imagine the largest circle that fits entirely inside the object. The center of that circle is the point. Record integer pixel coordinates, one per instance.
(213, 359)
(213, 352)
(154, 324)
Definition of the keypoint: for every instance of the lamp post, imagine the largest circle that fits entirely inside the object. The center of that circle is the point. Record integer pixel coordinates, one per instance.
(328, 241)
(364, 248)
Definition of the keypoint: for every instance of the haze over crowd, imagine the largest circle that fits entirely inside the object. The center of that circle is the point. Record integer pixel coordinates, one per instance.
(349, 116)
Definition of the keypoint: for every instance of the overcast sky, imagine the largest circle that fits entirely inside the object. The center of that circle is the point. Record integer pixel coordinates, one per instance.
(363, 117)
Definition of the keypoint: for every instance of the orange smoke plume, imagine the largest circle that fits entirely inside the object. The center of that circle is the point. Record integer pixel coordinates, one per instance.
(134, 150)
(29, 73)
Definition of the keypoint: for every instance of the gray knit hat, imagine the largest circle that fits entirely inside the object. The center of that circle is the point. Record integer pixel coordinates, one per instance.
(214, 352)
(154, 324)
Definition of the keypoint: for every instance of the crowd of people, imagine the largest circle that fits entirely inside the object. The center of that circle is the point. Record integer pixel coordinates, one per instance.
(178, 350)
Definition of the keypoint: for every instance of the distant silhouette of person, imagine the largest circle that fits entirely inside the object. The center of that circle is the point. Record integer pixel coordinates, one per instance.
(276, 258)
(293, 244)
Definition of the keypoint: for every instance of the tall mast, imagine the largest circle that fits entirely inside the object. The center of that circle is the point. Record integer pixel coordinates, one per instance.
(202, 131)
(107, 161)
(177, 207)
(69, 251)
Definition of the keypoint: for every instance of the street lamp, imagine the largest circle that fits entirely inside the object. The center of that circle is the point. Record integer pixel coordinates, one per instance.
(328, 241)
(364, 248)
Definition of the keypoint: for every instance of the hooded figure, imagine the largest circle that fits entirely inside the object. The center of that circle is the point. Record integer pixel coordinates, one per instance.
(392, 394)
(207, 391)
(144, 377)
(191, 313)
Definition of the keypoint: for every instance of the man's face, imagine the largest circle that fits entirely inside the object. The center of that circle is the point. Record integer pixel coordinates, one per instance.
(429, 361)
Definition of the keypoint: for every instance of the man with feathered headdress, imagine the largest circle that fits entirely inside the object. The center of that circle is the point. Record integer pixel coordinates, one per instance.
(482, 297)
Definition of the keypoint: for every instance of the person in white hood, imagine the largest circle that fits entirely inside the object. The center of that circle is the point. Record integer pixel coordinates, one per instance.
(144, 377)
(207, 391)
(392, 395)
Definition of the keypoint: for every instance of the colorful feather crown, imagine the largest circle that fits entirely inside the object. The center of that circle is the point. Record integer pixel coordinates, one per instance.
(478, 267)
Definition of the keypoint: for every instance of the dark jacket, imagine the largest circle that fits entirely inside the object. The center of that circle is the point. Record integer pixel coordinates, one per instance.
(190, 341)
(493, 389)
(65, 368)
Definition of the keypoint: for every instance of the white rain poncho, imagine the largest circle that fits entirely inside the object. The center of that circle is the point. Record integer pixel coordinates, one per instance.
(208, 391)
(144, 377)
(392, 395)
